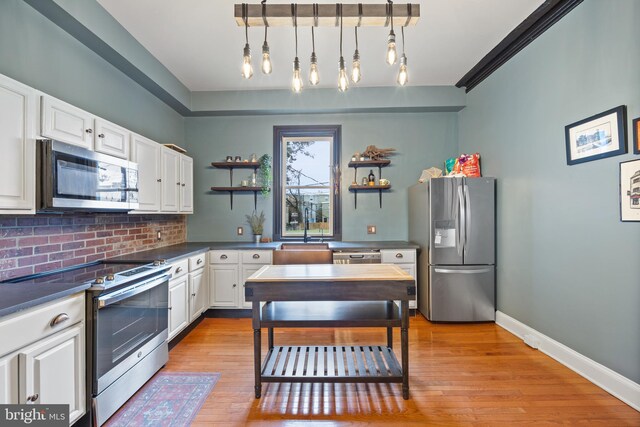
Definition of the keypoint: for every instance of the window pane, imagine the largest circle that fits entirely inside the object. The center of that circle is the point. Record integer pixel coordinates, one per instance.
(308, 161)
(316, 204)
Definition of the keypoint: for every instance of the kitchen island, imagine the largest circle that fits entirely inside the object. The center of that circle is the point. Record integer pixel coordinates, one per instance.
(355, 295)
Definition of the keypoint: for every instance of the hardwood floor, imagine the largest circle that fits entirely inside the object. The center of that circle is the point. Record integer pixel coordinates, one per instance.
(463, 375)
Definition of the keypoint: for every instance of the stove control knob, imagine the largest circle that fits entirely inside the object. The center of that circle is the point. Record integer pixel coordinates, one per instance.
(159, 262)
(99, 281)
(156, 263)
(110, 278)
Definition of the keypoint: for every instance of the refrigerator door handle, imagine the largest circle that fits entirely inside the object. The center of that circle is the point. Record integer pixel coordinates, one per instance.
(467, 221)
(463, 223)
(446, 270)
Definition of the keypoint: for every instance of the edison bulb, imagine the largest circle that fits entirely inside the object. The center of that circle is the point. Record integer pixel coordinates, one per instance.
(403, 76)
(314, 76)
(343, 80)
(247, 69)
(296, 82)
(356, 75)
(266, 59)
(392, 55)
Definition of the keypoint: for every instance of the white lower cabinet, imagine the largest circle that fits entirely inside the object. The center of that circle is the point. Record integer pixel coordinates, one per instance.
(42, 356)
(52, 371)
(228, 271)
(406, 260)
(178, 305)
(198, 289)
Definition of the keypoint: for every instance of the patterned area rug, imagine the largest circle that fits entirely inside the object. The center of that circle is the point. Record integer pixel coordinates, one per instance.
(168, 399)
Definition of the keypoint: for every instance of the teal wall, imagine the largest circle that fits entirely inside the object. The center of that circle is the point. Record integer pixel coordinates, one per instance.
(567, 266)
(421, 139)
(35, 51)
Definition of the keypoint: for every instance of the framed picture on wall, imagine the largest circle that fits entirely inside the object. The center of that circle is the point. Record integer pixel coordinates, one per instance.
(630, 190)
(597, 137)
(636, 132)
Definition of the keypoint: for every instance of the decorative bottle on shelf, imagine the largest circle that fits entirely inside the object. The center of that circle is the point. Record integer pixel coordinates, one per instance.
(372, 178)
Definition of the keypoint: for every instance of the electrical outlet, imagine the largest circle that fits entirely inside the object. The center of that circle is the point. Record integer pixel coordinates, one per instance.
(371, 229)
(159, 235)
(240, 231)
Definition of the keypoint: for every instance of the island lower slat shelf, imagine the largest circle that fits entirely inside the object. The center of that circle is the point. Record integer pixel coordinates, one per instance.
(332, 364)
(277, 314)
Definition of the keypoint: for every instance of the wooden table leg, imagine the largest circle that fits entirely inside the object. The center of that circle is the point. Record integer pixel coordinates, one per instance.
(404, 337)
(390, 337)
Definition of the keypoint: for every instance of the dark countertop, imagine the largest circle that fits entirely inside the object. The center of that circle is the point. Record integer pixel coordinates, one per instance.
(20, 296)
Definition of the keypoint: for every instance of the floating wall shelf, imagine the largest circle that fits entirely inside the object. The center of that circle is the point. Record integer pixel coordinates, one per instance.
(368, 164)
(231, 189)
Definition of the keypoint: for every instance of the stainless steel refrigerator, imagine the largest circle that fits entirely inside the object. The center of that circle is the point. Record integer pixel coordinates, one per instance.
(453, 221)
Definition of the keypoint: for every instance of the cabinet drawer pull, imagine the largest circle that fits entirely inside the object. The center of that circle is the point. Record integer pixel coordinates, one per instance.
(256, 256)
(399, 255)
(89, 131)
(193, 295)
(101, 135)
(62, 317)
(159, 180)
(33, 397)
(184, 185)
(170, 308)
(199, 261)
(178, 270)
(223, 256)
(234, 285)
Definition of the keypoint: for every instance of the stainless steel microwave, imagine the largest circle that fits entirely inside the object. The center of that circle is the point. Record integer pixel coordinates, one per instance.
(73, 178)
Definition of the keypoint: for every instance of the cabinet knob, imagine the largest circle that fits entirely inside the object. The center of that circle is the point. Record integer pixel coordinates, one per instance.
(193, 295)
(183, 184)
(170, 308)
(234, 285)
(177, 183)
(159, 179)
(223, 256)
(399, 255)
(256, 256)
(89, 131)
(178, 270)
(62, 317)
(101, 135)
(33, 397)
(199, 261)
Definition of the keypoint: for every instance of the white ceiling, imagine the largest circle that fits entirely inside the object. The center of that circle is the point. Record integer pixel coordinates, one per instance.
(200, 43)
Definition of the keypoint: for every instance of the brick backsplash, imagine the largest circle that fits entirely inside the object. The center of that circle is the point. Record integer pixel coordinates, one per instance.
(37, 243)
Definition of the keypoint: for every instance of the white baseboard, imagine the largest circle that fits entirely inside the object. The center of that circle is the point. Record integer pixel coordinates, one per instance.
(610, 381)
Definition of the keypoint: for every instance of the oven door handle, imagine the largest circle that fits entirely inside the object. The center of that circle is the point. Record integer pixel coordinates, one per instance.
(109, 299)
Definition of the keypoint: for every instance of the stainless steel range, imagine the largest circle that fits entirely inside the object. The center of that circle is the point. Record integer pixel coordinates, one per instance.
(127, 328)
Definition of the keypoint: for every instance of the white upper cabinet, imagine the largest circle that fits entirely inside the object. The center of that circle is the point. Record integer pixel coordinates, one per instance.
(186, 184)
(111, 139)
(17, 145)
(170, 180)
(66, 123)
(146, 154)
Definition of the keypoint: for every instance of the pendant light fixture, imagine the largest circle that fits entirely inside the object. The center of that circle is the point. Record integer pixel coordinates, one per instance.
(343, 80)
(403, 77)
(314, 76)
(296, 82)
(266, 57)
(247, 69)
(392, 55)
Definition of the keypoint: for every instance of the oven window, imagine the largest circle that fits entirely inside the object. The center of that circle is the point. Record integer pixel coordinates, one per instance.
(125, 326)
(85, 179)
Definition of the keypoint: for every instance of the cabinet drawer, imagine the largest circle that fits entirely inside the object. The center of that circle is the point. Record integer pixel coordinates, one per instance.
(393, 256)
(179, 268)
(20, 329)
(197, 262)
(256, 257)
(223, 257)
